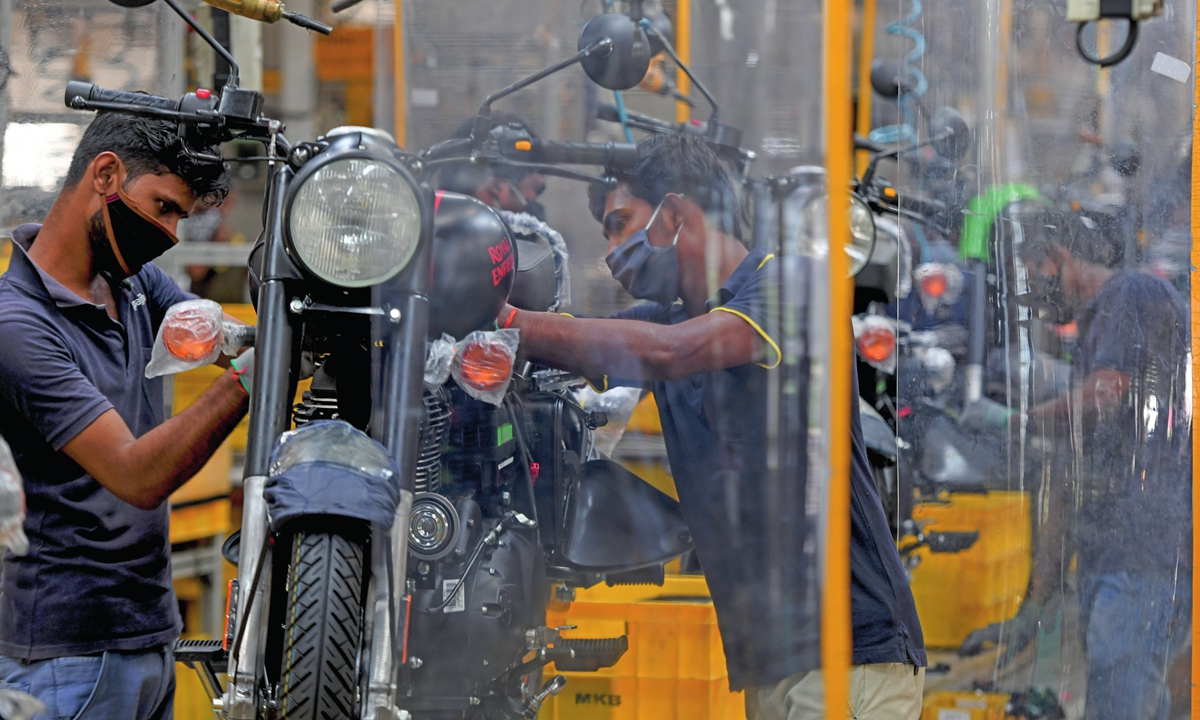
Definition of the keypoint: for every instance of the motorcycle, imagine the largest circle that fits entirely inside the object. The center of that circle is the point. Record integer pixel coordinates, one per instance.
(399, 547)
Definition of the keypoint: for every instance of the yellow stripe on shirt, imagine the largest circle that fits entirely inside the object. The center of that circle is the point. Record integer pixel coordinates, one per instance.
(760, 331)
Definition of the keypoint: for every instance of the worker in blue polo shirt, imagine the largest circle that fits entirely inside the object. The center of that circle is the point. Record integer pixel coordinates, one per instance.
(672, 229)
(88, 617)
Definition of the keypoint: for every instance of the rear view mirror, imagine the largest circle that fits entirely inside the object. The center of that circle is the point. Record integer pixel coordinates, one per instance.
(889, 78)
(627, 63)
(950, 132)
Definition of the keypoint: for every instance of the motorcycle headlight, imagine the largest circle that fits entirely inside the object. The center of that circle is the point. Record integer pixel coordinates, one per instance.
(354, 222)
(862, 231)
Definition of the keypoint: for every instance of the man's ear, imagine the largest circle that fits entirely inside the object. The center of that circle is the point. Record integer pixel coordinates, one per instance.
(675, 208)
(103, 173)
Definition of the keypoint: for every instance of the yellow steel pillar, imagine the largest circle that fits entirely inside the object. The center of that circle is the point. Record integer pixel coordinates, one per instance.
(835, 595)
(401, 130)
(683, 48)
(866, 53)
(1195, 710)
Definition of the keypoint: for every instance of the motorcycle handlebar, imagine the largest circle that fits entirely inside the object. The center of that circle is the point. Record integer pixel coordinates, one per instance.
(609, 113)
(609, 154)
(80, 94)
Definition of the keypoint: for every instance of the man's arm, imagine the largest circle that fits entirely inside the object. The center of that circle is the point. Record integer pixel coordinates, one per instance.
(1102, 391)
(638, 350)
(145, 471)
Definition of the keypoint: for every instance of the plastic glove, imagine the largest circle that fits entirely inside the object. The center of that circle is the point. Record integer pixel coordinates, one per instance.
(243, 370)
(986, 414)
(1011, 636)
(12, 507)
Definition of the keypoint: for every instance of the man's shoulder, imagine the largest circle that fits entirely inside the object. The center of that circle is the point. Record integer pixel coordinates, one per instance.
(19, 305)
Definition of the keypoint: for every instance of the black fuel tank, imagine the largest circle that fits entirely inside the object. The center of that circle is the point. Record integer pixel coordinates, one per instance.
(474, 264)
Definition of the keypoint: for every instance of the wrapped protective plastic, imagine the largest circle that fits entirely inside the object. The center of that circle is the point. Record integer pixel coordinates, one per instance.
(483, 363)
(438, 357)
(526, 224)
(189, 337)
(618, 405)
(12, 507)
(235, 336)
(17, 705)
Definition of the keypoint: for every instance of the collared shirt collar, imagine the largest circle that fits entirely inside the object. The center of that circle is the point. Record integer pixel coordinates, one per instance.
(741, 274)
(23, 269)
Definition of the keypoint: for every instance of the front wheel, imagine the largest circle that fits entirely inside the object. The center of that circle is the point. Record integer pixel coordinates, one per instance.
(323, 628)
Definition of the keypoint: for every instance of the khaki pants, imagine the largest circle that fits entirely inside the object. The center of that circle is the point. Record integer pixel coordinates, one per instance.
(887, 691)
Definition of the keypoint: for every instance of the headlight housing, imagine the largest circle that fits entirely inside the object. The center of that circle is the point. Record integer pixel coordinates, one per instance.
(354, 221)
(862, 232)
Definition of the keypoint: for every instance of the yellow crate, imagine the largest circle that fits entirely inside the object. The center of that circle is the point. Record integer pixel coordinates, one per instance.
(200, 521)
(956, 593)
(964, 705)
(675, 666)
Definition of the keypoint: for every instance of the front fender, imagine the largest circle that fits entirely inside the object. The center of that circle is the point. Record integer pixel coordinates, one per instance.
(333, 490)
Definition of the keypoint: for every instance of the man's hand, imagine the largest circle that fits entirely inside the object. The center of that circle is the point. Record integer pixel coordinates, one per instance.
(243, 370)
(1011, 637)
(145, 471)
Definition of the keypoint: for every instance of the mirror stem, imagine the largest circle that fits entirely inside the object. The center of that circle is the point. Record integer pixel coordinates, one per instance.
(712, 119)
(483, 121)
(232, 82)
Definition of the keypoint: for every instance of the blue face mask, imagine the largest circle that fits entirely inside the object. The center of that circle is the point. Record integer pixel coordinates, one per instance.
(647, 272)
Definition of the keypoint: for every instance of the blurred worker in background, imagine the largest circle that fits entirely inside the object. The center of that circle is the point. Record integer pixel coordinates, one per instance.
(88, 617)
(513, 189)
(217, 283)
(673, 235)
(1122, 504)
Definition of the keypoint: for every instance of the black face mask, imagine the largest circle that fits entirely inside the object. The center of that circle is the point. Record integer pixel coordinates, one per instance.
(134, 237)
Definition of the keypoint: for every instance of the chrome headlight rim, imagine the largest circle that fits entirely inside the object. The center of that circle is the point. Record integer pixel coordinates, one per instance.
(343, 148)
(863, 236)
(866, 230)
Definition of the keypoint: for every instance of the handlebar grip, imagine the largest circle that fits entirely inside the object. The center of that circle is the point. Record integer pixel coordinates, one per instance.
(862, 142)
(924, 206)
(608, 154)
(79, 93)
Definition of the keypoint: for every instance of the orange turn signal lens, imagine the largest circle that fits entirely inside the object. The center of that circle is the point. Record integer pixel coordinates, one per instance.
(486, 367)
(190, 335)
(523, 145)
(934, 285)
(877, 344)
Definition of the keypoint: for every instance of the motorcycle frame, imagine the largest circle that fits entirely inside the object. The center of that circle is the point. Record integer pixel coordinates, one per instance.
(399, 323)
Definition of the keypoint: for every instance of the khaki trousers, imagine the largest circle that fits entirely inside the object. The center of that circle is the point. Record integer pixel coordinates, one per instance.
(887, 691)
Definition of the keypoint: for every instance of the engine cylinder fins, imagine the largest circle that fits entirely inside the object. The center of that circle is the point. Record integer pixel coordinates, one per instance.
(433, 527)
(435, 426)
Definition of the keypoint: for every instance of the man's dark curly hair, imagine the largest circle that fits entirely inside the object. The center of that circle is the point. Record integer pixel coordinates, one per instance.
(146, 145)
(682, 164)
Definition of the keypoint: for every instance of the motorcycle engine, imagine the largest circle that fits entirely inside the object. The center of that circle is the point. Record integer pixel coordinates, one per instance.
(462, 639)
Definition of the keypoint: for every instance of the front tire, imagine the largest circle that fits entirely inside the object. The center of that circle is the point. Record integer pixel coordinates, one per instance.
(323, 628)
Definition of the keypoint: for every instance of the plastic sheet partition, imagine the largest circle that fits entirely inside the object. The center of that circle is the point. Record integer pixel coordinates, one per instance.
(1041, 396)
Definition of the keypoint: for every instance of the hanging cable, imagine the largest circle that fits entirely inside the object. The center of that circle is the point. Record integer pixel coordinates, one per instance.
(905, 131)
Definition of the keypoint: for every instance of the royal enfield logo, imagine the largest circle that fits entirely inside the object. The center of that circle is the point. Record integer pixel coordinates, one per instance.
(597, 699)
(502, 260)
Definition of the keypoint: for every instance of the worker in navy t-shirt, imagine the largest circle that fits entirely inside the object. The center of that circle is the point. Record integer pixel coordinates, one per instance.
(88, 617)
(1123, 505)
(701, 344)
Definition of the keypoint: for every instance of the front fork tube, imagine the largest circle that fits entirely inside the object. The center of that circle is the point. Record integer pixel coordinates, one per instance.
(270, 406)
(246, 659)
(388, 628)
